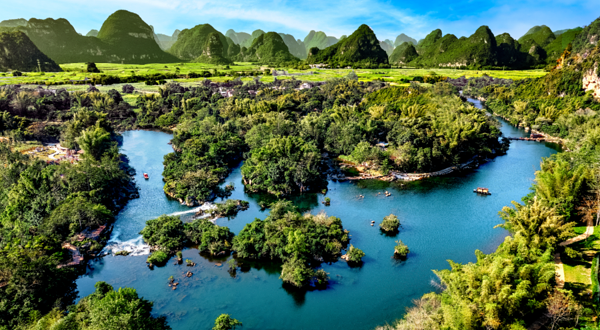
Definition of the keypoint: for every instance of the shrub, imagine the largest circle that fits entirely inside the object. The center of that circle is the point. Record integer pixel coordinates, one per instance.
(401, 249)
(158, 257)
(17, 73)
(92, 68)
(355, 255)
(128, 89)
(390, 224)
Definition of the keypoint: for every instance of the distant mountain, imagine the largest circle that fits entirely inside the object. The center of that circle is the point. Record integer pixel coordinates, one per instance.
(536, 36)
(403, 54)
(204, 44)
(402, 38)
(255, 34)
(387, 47)
(164, 41)
(296, 47)
(360, 48)
(238, 37)
(11, 23)
(92, 33)
(19, 53)
(123, 38)
(318, 39)
(131, 39)
(479, 50)
(267, 48)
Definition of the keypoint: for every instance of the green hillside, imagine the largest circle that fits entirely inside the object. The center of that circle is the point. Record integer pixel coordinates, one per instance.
(587, 39)
(166, 42)
(131, 40)
(508, 53)
(255, 34)
(92, 33)
(238, 38)
(429, 40)
(18, 53)
(361, 48)
(318, 39)
(402, 38)
(386, 47)
(537, 36)
(296, 47)
(123, 38)
(479, 50)
(403, 54)
(204, 44)
(11, 23)
(555, 49)
(267, 48)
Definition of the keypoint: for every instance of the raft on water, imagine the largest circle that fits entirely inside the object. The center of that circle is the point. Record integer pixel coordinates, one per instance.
(482, 191)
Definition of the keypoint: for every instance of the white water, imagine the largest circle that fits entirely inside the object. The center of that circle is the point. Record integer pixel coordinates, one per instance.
(136, 246)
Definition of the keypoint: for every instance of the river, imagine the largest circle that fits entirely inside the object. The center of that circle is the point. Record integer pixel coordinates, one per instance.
(441, 219)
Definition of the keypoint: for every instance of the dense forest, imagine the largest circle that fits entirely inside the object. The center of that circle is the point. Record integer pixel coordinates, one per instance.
(515, 286)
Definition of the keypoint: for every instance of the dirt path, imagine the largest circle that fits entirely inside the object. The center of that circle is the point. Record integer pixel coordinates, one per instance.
(560, 269)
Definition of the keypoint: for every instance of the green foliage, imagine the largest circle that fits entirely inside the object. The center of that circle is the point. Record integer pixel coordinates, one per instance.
(296, 272)
(586, 40)
(267, 48)
(158, 258)
(204, 44)
(226, 322)
(105, 309)
(355, 255)
(286, 233)
(283, 166)
(166, 232)
(123, 38)
(208, 236)
(403, 54)
(401, 249)
(21, 54)
(360, 49)
(319, 40)
(390, 224)
(92, 68)
(94, 142)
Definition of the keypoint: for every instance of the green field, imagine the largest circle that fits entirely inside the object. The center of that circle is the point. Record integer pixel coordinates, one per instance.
(76, 72)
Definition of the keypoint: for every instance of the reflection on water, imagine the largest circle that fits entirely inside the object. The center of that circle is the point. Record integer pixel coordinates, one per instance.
(441, 219)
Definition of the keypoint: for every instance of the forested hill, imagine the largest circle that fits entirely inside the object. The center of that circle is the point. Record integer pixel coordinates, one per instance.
(360, 48)
(267, 48)
(204, 44)
(538, 48)
(20, 54)
(124, 38)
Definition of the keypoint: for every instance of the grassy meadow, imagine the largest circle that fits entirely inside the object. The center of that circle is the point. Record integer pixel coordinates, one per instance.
(76, 72)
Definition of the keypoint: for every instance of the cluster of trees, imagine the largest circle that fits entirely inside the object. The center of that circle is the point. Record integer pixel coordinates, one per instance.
(515, 286)
(299, 241)
(511, 287)
(106, 308)
(555, 104)
(44, 205)
(282, 132)
(168, 234)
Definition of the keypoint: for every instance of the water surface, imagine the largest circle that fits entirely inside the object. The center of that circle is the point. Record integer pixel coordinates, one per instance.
(441, 219)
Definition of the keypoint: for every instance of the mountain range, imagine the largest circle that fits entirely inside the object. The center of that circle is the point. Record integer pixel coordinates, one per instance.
(125, 38)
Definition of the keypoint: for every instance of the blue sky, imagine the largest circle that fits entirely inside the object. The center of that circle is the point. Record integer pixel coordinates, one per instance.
(415, 18)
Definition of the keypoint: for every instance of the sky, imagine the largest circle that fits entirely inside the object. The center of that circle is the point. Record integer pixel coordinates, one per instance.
(388, 19)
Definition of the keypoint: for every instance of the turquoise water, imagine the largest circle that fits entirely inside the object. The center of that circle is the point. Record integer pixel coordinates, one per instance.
(441, 218)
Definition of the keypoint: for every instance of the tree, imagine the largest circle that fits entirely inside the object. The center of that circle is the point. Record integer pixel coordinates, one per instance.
(296, 272)
(92, 68)
(562, 308)
(226, 322)
(401, 249)
(94, 142)
(390, 224)
(355, 255)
